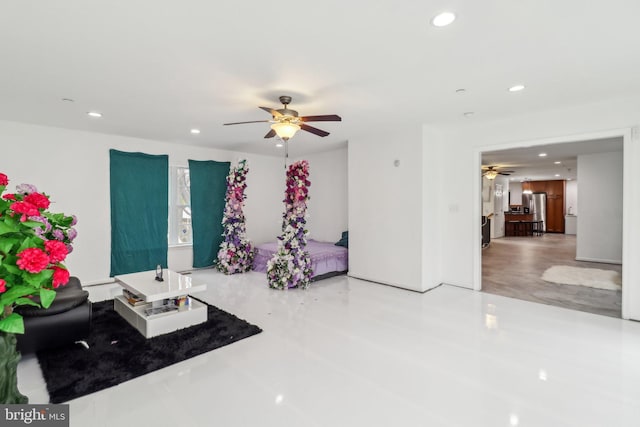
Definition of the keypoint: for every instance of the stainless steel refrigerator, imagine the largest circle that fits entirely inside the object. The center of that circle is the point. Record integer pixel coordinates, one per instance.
(537, 204)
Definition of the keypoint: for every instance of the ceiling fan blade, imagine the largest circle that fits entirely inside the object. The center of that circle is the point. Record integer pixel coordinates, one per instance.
(241, 123)
(505, 174)
(274, 113)
(313, 130)
(270, 134)
(324, 118)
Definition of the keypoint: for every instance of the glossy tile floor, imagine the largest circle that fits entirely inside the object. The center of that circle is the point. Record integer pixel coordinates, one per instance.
(353, 353)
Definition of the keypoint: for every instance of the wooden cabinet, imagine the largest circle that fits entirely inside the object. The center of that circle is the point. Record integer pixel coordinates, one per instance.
(555, 202)
(555, 206)
(555, 214)
(538, 186)
(555, 188)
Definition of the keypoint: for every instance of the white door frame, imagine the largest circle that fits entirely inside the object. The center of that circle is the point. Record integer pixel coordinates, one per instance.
(628, 135)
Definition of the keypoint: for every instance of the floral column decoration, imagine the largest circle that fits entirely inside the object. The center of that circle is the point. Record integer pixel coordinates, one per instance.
(290, 267)
(33, 244)
(236, 252)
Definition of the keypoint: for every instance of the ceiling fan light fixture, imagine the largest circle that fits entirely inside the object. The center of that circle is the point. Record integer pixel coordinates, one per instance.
(491, 174)
(285, 130)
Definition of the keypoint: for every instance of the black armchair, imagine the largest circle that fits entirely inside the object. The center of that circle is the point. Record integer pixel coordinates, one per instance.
(67, 320)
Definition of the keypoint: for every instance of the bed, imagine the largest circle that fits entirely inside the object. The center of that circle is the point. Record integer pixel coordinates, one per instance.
(327, 259)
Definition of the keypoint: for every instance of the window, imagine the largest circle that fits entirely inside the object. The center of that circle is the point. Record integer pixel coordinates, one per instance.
(180, 206)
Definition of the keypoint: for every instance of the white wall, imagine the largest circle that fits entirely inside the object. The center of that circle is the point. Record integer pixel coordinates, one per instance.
(459, 238)
(500, 205)
(494, 206)
(571, 197)
(488, 196)
(433, 191)
(515, 188)
(327, 208)
(600, 219)
(385, 207)
(73, 167)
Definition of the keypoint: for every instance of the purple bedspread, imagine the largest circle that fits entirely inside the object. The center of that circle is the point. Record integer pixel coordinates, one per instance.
(325, 257)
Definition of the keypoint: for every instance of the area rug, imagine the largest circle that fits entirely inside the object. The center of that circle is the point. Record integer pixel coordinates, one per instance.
(117, 352)
(591, 277)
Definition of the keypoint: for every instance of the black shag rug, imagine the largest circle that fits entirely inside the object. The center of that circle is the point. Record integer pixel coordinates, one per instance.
(117, 352)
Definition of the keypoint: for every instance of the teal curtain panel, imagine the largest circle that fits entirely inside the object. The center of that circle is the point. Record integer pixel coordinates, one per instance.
(208, 189)
(139, 211)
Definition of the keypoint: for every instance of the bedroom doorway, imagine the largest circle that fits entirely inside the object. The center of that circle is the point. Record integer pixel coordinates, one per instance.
(513, 264)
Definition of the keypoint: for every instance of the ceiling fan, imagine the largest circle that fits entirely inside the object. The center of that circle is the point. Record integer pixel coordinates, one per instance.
(286, 122)
(490, 172)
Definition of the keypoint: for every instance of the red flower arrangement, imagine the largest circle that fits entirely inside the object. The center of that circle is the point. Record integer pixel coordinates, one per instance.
(34, 243)
(38, 200)
(33, 260)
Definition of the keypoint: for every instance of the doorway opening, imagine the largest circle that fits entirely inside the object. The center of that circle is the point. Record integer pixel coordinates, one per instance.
(575, 227)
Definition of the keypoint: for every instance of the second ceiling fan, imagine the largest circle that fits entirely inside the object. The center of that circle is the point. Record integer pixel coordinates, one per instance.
(286, 122)
(490, 172)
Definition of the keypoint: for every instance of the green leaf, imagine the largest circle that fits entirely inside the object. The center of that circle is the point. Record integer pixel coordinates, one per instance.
(46, 297)
(11, 268)
(7, 243)
(16, 292)
(6, 228)
(26, 301)
(33, 224)
(31, 242)
(39, 278)
(12, 324)
(11, 221)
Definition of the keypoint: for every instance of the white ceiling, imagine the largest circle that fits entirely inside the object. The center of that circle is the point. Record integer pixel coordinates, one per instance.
(528, 165)
(156, 69)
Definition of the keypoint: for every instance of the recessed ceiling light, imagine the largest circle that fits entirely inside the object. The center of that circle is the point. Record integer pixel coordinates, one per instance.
(94, 114)
(461, 90)
(557, 174)
(568, 179)
(279, 145)
(516, 88)
(443, 19)
(195, 131)
(468, 114)
(542, 155)
(557, 163)
(67, 100)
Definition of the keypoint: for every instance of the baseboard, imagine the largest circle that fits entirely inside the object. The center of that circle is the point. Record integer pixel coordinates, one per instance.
(379, 282)
(99, 282)
(458, 285)
(603, 261)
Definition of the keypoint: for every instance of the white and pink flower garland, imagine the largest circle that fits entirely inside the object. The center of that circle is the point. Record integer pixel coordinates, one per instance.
(290, 267)
(236, 251)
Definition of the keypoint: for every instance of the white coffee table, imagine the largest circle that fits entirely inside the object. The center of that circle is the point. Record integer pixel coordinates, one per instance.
(155, 294)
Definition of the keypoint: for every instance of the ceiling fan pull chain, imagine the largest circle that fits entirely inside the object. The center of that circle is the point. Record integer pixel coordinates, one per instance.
(286, 153)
